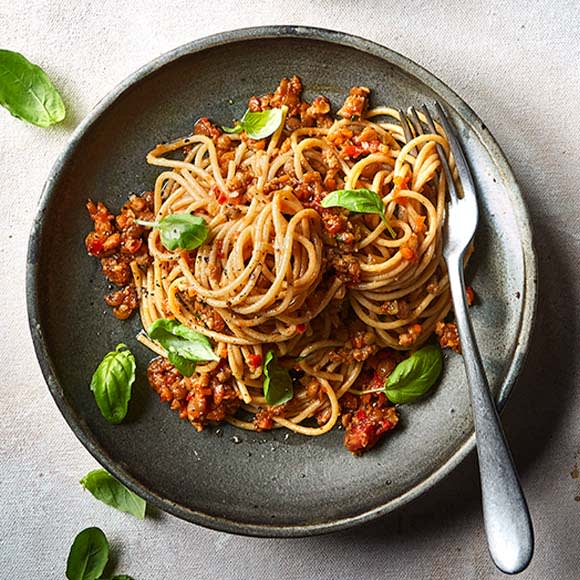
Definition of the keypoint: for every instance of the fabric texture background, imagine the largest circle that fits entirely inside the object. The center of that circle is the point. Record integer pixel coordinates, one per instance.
(517, 64)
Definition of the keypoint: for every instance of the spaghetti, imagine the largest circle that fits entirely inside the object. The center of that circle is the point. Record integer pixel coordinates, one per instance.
(334, 294)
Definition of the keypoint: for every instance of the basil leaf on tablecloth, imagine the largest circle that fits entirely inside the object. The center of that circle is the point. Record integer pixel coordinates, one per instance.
(88, 555)
(27, 92)
(113, 493)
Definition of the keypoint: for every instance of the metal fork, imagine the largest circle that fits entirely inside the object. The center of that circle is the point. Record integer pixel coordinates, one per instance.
(507, 521)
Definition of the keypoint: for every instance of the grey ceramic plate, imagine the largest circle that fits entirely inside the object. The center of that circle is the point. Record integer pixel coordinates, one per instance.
(266, 484)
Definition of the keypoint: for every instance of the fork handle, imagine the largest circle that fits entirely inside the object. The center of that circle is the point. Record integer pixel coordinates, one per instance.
(506, 517)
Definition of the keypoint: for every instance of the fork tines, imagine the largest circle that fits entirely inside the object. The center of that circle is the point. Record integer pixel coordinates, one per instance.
(411, 122)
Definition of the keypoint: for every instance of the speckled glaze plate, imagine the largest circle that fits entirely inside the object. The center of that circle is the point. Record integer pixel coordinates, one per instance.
(263, 484)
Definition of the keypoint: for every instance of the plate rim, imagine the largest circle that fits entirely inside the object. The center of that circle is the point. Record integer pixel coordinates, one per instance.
(529, 297)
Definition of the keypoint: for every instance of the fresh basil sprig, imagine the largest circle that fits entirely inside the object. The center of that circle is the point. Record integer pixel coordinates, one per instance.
(27, 92)
(360, 201)
(184, 346)
(414, 376)
(111, 383)
(277, 381)
(88, 555)
(180, 230)
(258, 124)
(112, 492)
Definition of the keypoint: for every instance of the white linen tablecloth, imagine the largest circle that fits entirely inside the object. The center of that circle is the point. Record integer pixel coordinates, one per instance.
(518, 65)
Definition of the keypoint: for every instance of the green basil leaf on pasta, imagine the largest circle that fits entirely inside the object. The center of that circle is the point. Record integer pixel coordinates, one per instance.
(27, 92)
(258, 124)
(88, 555)
(413, 377)
(180, 230)
(262, 124)
(184, 346)
(360, 201)
(113, 493)
(357, 200)
(183, 365)
(122, 577)
(111, 383)
(277, 381)
(183, 230)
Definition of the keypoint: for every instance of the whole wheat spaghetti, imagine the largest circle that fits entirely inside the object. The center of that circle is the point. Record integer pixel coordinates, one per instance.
(334, 294)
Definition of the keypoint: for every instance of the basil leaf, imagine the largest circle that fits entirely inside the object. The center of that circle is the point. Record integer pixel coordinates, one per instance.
(258, 124)
(184, 366)
(262, 124)
(183, 230)
(414, 376)
(360, 201)
(112, 492)
(122, 577)
(27, 92)
(184, 346)
(88, 555)
(180, 230)
(111, 383)
(277, 381)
